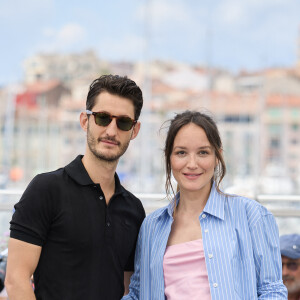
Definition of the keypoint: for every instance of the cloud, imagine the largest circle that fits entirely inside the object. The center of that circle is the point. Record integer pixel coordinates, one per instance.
(127, 47)
(17, 10)
(67, 38)
(161, 13)
(231, 12)
(234, 13)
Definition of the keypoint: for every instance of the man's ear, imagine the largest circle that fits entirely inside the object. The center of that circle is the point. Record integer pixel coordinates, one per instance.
(136, 130)
(84, 121)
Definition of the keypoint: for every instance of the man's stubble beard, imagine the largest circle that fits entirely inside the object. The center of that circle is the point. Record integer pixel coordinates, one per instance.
(293, 288)
(93, 142)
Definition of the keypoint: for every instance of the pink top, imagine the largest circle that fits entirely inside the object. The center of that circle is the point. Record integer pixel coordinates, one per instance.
(185, 272)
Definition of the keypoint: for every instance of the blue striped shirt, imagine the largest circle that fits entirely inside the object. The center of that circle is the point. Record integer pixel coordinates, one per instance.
(241, 246)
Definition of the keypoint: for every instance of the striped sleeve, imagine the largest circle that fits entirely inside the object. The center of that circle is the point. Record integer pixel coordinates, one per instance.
(267, 258)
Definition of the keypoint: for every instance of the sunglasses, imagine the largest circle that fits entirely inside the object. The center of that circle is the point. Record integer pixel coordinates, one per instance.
(292, 266)
(104, 119)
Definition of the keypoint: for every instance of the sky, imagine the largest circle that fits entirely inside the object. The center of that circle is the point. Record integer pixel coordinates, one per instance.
(230, 34)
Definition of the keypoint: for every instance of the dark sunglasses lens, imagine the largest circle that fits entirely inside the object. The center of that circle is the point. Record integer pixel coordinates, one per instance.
(125, 123)
(102, 119)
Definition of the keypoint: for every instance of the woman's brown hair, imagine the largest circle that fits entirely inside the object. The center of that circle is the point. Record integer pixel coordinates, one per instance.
(209, 126)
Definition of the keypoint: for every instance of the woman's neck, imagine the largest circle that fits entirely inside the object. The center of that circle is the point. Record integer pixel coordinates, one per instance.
(194, 202)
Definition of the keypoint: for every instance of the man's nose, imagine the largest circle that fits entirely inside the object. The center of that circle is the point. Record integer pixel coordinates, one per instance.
(112, 128)
(284, 270)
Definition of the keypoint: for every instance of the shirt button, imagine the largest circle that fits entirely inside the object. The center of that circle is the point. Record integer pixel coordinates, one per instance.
(215, 285)
(204, 216)
(101, 198)
(107, 224)
(210, 255)
(206, 230)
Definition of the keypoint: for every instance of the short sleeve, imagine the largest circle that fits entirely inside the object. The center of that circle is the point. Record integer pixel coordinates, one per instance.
(33, 213)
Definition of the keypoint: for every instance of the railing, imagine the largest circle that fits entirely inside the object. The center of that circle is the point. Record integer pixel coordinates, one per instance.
(279, 205)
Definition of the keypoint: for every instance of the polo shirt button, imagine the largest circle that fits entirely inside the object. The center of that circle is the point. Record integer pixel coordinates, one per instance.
(215, 285)
(210, 255)
(204, 216)
(101, 198)
(107, 224)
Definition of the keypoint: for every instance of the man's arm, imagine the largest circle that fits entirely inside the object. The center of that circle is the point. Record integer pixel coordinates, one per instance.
(127, 276)
(22, 260)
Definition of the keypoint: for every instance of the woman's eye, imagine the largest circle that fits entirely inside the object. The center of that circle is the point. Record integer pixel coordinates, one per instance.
(203, 152)
(180, 153)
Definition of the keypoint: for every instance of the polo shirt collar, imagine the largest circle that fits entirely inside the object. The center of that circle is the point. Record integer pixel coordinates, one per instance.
(77, 172)
(118, 187)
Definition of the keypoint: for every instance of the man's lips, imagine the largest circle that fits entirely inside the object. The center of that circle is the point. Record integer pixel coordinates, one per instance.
(287, 278)
(109, 142)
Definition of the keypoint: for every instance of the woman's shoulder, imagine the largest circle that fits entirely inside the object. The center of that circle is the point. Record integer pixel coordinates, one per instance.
(246, 202)
(156, 217)
(157, 214)
(251, 208)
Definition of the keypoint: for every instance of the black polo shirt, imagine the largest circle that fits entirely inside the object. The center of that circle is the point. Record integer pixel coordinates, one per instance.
(86, 244)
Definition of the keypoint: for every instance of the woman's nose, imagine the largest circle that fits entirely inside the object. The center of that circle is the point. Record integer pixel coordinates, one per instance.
(192, 162)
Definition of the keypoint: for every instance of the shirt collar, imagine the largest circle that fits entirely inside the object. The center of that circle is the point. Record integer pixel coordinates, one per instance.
(214, 206)
(77, 172)
(169, 209)
(215, 203)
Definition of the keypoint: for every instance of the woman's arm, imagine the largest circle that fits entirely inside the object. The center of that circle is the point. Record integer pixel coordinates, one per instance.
(267, 258)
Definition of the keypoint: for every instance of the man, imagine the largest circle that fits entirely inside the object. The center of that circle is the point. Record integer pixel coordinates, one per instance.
(290, 254)
(75, 229)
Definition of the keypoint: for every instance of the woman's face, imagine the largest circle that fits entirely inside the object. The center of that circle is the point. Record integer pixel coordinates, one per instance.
(193, 159)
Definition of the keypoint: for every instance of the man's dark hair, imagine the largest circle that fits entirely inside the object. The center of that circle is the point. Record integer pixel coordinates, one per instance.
(116, 85)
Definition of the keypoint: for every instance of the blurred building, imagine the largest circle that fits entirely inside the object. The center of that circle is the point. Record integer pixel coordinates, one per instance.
(66, 68)
(36, 139)
(258, 114)
(259, 119)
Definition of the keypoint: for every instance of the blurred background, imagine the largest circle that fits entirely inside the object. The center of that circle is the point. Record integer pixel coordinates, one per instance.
(239, 61)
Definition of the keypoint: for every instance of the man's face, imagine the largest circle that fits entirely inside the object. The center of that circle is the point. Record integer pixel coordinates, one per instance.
(109, 143)
(291, 274)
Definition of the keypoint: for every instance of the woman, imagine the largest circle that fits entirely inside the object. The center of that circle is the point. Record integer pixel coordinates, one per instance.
(205, 244)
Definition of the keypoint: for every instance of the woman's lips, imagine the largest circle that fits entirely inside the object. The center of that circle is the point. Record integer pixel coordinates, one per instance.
(192, 176)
